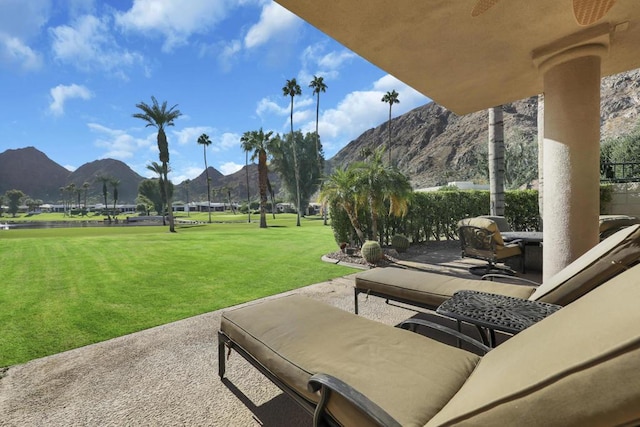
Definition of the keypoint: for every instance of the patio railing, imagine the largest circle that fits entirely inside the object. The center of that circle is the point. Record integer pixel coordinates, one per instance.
(620, 172)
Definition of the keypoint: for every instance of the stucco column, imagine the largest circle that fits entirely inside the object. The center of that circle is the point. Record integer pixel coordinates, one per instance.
(571, 160)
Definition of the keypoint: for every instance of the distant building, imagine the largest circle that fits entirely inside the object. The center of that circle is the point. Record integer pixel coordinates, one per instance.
(461, 185)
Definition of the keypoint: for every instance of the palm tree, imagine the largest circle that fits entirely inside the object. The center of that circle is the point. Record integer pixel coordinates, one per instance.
(186, 189)
(71, 189)
(105, 180)
(379, 183)
(340, 189)
(157, 168)
(246, 174)
(258, 143)
(292, 88)
(85, 187)
(318, 85)
(159, 117)
(496, 161)
(114, 185)
(205, 142)
(390, 98)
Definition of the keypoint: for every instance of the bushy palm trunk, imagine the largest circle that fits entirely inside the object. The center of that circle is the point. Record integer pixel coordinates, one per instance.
(262, 183)
(163, 146)
(496, 161)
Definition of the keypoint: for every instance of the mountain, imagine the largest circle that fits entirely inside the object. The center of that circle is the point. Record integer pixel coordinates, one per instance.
(128, 180)
(235, 182)
(32, 172)
(433, 145)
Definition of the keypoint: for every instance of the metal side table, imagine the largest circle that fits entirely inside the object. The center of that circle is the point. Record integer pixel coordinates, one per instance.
(493, 312)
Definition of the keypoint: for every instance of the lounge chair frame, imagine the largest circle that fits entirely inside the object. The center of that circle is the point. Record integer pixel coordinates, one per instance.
(326, 384)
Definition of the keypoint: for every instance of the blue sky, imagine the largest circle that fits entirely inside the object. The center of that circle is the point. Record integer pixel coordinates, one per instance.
(73, 70)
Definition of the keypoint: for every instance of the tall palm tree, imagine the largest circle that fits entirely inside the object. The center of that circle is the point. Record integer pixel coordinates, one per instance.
(496, 162)
(159, 116)
(258, 143)
(205, 142)
(318, 85)
(292, 88)
(390, 98)
(246, 174)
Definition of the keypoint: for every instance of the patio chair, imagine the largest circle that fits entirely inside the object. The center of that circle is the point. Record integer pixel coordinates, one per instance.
(575, 367)
(480, 239)
(609, 224)
(428, 290)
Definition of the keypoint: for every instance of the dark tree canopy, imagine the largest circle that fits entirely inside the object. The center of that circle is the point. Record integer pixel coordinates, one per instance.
(310, 168)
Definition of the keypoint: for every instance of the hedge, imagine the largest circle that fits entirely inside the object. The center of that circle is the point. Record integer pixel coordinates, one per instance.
(434, 215)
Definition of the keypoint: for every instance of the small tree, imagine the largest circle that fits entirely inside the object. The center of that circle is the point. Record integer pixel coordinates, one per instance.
(14, 197)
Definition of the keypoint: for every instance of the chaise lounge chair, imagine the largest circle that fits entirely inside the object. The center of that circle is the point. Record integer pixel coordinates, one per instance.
(428, 290)
(579, 366)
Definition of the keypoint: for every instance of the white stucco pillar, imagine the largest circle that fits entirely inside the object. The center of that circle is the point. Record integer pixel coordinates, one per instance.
(571, 160)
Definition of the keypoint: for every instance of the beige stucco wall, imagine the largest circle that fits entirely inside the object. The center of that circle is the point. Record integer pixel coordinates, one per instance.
(625, 199)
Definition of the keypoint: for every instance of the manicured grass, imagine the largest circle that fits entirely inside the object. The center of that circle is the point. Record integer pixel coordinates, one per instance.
(65, 288)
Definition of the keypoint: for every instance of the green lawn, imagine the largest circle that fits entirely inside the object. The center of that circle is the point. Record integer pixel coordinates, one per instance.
(65, 288)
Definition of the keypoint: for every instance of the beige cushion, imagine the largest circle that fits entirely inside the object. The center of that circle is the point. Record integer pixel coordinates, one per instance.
(608, 222)
(580, 366)
(604, 261)
(406, 374)
(485, 223)
(429, 289)
(500, 221)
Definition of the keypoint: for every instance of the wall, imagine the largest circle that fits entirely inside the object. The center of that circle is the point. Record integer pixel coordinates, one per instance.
(625, 199)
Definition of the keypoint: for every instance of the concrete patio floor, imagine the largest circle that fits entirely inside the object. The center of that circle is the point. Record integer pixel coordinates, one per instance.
(168, 375)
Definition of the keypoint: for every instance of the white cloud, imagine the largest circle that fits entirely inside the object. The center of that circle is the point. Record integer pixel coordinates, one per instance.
(174, 20)
(267, 106)
(276, 22)
(228, 54)
(226, 141)
(14, 51)
(317, 62)
(89, 45)
(61, 93)
(190, 172)
(334, 60)
(190, 135)
(21, 21)
(119, 144)
(357, 112)
(229, 168)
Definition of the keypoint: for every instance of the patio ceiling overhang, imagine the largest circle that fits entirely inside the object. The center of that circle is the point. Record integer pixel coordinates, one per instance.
(468, 63)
